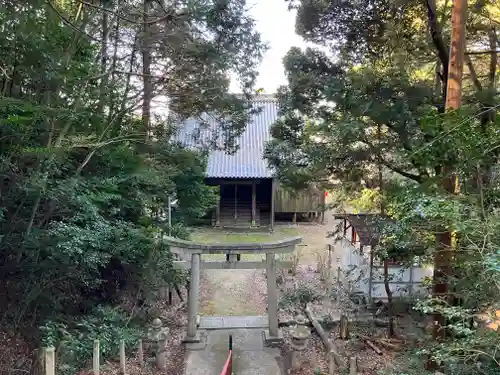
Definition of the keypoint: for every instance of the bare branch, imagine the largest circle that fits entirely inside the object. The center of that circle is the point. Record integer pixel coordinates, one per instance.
(69, 23)
(473, 73)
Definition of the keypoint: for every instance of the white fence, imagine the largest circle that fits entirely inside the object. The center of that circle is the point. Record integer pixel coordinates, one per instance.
(355, 273)
(354, 268)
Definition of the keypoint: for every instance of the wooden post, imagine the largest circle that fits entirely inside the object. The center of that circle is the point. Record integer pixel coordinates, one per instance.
(370, 278)
(330, 270)
(170, 293)
(254, 203)
(50, 361)
(123, 367)
(323, 209)
(344, 327)
(332, 368)
(273, 189)
(353, 365)
(96, 361)
(235, 201)
(40, 365)
(217, 208)
(140, 353)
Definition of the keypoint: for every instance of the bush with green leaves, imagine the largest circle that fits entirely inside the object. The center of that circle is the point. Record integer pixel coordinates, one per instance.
(74, 342)
(469, 346)
(299, 297)
(84, 179)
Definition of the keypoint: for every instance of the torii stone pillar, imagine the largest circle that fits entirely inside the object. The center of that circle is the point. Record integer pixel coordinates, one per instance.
(193, 251)
(272, 294)
(194, 295)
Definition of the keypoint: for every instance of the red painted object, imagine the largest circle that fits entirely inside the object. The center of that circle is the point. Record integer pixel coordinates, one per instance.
(228, 366)
(227, 370)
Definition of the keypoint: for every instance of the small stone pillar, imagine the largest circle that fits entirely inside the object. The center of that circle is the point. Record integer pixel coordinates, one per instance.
(300, 336)
(158, 336)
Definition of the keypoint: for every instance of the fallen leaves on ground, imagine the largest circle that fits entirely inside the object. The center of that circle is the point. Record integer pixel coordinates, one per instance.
(315, 359)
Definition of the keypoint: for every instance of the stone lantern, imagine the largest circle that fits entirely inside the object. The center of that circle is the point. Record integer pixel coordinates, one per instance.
(158, 334)
(300, 334)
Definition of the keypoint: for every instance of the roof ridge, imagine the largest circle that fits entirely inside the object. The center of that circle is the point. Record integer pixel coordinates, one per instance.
(261, 97)
(264, 97)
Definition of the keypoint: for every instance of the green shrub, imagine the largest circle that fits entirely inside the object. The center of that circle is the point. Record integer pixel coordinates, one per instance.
(74, 344)
(301, 296)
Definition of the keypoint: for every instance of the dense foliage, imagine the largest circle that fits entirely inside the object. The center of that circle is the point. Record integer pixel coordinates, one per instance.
(365, 110)
(85, 177)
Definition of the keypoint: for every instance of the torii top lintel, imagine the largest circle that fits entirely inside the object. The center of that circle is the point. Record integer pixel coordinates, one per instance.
(286, 245)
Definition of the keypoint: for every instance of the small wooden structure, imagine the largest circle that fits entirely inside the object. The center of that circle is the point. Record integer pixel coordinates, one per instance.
(255, 203)
(362, 271)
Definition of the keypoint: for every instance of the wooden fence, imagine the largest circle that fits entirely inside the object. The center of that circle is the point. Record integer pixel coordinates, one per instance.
(160, 355)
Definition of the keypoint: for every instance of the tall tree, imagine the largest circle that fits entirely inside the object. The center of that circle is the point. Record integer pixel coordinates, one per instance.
(81, 190)
(444, 255)
(377, 65)
(374, 93)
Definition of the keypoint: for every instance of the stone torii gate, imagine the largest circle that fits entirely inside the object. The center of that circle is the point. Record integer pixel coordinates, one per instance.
(187, 250)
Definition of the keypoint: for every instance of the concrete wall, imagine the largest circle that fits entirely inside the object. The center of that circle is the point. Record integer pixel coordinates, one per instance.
(354, 271)
(353, 268)
(404, 281)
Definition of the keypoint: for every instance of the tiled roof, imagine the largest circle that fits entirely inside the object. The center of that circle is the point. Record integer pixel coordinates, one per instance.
(248, 161)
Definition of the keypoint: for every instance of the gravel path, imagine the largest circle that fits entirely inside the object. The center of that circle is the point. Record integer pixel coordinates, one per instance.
(243, 292)
(233, 293)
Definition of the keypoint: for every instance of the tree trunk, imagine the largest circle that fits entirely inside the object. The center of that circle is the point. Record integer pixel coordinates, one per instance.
(437, 39)
(104, 59)
(444, 256)
(390, 305)
(113, 99)
(146, 72)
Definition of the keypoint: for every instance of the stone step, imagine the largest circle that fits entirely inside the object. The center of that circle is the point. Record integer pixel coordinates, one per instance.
(234, 322)
(250, 356)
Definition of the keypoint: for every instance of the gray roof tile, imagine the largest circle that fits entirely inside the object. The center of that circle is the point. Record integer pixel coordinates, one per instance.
(248, 161)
